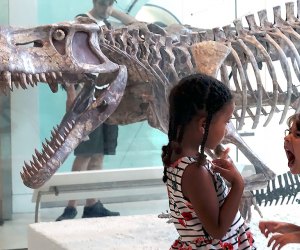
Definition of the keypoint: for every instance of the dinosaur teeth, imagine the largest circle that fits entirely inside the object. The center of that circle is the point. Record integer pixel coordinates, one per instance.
(36, 77)
(37, 162)
(23, 81)
(46, 156)
(25, 171)
(102, 87)
(43, 77)
(28, 169)
(48, 150)
(33, 168)
(69, 125)
(66, 130)
(23, 176)
(39, 155)
(59, 74)
(61, 138)
(57, 143)
(6, 77)
(53, 86)
(30, 80)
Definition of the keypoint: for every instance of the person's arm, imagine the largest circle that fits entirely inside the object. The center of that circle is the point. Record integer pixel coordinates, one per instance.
(71, 95)
(123, 17)
(198, 187)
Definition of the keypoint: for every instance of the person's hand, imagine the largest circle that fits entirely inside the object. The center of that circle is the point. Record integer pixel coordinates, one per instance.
(267, 227)
(279, 240)
(227, 169)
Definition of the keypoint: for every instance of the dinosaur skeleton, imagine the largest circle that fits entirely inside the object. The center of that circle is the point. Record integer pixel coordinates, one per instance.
(284, 189)
(128, 73)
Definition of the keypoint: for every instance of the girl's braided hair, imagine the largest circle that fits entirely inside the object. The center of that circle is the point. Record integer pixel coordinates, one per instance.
(194, 93)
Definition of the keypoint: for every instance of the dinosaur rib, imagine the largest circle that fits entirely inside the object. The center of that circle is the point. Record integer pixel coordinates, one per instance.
(220, 36)
(278, 32)
(245, 36)
(283, 60)
(244, 86)
(258, 97)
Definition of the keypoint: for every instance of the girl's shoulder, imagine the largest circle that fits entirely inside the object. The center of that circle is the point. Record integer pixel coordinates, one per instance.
(188, 160)
(184, 160)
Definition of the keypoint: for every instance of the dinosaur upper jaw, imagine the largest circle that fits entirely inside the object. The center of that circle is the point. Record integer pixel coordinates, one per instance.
(93, 105)
(53, 54)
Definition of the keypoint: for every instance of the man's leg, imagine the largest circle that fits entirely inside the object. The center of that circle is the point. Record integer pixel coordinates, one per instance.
(93, 207)
(80, 164)
(95, 163)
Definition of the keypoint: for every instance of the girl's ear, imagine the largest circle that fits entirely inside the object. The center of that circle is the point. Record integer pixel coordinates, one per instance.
(201, 124)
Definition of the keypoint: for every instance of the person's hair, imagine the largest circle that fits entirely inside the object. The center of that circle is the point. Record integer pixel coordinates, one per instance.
(193, 94)
(295, 118)
(110, 2)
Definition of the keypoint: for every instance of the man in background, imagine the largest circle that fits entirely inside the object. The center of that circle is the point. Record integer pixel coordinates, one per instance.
(103, 140)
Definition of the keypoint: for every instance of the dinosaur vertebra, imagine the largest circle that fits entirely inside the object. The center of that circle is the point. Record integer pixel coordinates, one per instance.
(155, 60)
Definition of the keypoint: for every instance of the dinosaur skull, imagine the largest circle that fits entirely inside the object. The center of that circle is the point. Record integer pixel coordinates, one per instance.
(66, 53)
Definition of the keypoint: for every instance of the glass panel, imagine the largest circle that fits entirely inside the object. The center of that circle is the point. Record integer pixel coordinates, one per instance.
(5, 141)
(132, 138)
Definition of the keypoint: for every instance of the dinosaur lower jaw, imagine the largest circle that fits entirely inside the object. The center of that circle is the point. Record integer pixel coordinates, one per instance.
(10, 80)
(74, 127)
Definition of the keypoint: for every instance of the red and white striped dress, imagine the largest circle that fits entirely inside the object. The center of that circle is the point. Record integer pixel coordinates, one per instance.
(191, 231)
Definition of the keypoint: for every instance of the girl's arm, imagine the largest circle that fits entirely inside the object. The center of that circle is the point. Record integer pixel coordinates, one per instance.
(198, 187)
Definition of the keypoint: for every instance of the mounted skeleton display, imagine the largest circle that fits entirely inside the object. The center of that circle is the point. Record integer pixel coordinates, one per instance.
(128, 73)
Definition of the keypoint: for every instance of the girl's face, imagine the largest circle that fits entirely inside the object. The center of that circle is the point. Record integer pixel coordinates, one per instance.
(292, 148)
(217, 129)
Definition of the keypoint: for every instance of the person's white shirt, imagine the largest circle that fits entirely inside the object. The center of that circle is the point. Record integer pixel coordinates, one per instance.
(99, 22)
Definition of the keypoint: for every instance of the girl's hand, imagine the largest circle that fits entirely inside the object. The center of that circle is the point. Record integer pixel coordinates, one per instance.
(227, 169)
(280, 240)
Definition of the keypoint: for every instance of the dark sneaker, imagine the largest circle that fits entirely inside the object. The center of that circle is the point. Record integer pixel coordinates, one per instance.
(68, 214)
(97, 210)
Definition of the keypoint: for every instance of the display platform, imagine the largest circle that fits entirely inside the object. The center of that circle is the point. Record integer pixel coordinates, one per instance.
(140, 232)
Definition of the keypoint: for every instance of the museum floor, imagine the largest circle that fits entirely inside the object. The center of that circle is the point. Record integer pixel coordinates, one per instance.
(13, 234)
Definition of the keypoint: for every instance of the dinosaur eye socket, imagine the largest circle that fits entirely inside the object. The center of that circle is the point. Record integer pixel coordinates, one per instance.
(59, 35)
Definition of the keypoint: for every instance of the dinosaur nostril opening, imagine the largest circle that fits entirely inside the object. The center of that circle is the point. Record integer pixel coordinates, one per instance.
(38, 44)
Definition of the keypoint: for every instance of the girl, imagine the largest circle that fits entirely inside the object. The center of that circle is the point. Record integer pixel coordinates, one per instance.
(204, 212)
(286, 232)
